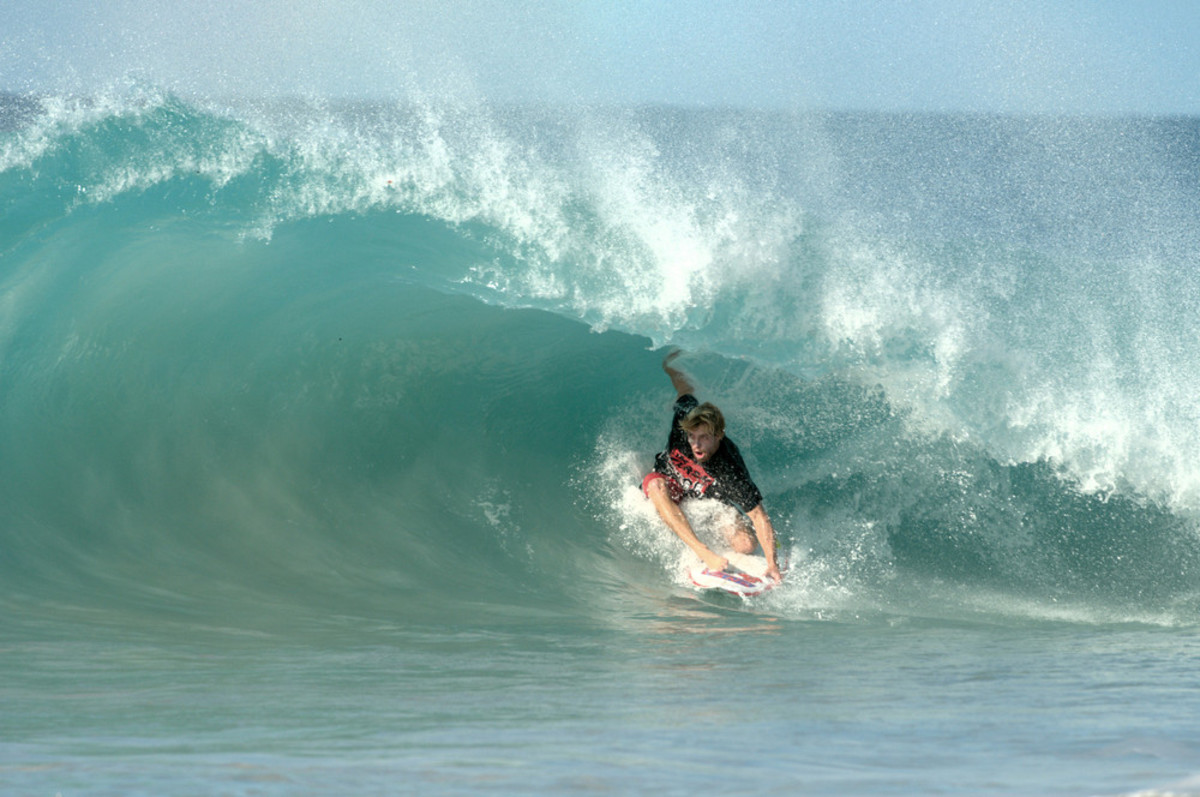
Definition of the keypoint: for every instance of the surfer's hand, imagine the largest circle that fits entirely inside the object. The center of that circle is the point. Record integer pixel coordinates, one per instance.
(681, 382)
(715, 563)
(774, 574)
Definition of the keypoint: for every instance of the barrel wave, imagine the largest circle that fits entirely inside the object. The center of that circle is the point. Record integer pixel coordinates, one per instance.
(268, 365)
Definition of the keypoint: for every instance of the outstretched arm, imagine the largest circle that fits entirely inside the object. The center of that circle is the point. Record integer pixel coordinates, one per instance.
(677, 522)
(681, 381)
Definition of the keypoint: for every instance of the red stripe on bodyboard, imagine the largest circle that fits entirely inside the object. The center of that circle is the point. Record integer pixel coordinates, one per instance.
(744, 580)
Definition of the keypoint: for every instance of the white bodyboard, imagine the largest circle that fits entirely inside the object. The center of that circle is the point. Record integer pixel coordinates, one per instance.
(745, 576)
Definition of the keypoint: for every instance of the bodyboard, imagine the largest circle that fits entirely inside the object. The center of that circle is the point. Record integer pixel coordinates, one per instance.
(744, 576)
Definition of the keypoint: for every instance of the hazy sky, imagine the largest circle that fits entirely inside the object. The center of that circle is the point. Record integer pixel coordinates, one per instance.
(1104, 56)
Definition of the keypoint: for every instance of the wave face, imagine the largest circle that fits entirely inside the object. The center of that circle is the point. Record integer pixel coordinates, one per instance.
(322, 359)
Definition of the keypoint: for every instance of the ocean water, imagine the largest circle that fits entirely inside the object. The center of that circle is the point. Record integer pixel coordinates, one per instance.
(322, 425)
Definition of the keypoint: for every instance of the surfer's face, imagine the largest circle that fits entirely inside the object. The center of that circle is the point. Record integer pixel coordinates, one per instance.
(704, 443)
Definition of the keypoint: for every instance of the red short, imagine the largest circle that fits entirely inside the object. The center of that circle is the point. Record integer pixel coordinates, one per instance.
(674, 489)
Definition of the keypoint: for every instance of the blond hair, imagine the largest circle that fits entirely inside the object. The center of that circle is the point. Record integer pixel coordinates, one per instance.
(704, 415)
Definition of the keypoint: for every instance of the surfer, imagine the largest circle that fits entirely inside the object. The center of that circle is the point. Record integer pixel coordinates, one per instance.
(700, 462)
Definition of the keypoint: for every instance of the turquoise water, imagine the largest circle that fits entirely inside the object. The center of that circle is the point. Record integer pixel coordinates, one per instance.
(669, 697)
(321, 430)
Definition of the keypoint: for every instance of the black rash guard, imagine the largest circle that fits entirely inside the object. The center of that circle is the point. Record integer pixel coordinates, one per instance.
(724, 477)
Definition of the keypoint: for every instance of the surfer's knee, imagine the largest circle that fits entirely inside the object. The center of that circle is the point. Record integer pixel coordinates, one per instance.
(741, 541)
(739, 536)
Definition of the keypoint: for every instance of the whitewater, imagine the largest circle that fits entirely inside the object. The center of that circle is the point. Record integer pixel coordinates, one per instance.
(322, 426)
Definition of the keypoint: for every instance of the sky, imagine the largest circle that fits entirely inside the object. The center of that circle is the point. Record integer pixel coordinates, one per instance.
(1006, 56)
